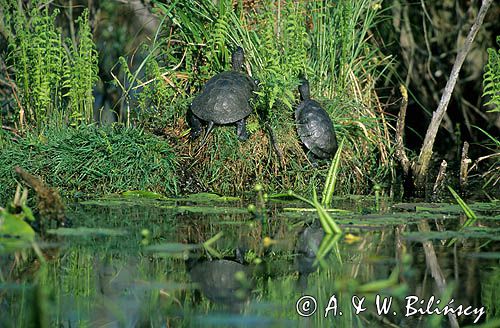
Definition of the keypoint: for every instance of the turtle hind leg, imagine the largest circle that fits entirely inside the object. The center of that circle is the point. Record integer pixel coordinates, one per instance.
(241, 130)
(195, 124)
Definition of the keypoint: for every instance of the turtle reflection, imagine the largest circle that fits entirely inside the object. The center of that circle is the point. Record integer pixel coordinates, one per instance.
(307, 247)
(224, 281)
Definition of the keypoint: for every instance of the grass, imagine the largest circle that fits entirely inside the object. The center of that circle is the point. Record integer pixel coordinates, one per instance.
(90, 161)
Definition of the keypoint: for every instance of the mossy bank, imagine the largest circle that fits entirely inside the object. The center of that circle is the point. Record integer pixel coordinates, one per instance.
(89, 161)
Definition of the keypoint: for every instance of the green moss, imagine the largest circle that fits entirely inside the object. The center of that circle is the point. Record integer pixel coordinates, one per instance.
(90, 160)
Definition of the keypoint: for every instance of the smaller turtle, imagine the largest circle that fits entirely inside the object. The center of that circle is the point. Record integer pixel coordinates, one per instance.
(223, 100)
(314, 126)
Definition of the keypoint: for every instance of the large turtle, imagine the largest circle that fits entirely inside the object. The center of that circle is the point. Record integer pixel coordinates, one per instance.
(223, 100)
(314, 126)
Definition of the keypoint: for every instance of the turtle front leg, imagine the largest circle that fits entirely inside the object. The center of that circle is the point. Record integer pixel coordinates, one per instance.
(241, 130)
(195, 124)
(313, 159)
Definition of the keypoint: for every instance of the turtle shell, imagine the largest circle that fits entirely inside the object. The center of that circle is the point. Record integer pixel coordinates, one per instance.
(225, 98)
(315, 129)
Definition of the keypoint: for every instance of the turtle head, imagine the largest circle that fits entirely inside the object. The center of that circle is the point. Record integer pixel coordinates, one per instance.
(237, 58)
(304, 89)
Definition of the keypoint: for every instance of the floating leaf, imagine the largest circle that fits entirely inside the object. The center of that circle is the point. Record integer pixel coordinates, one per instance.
(84, 231)
(171, 248)
(143, 193)
(208, 197)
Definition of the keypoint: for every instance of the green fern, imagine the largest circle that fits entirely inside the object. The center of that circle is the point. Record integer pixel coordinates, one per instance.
(50, 79)
(491, 78)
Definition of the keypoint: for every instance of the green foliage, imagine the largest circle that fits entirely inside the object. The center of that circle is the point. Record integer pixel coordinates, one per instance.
(492, 175)
(208, 33)
(491, 78)
(327, 222)
(49, 78)
(92, 161)
(80, 74)
(15, 232)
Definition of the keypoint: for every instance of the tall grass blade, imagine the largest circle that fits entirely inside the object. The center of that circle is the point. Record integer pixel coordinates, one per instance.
(471, 216)
(331, 179)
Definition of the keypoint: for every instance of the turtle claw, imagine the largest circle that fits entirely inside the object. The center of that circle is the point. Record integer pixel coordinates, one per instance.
(313, 160)
(243, 137)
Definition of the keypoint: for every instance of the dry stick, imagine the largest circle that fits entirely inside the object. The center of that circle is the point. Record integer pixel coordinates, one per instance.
(464, 164)
(420, 168)
(440, 178)
(14, 87)
(400, 127)
(273, 143)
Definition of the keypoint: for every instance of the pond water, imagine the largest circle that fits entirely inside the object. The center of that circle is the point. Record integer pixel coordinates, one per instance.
(129, 262)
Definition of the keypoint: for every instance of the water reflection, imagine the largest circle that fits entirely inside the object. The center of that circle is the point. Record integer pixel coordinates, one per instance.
(116, 281)
(119, 295)
(307, 247)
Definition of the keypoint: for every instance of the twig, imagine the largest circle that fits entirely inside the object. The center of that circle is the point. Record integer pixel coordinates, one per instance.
(13, 86)
(420, 168)
(272, 140)
(440, 178)
(400, 127)
(464, 164)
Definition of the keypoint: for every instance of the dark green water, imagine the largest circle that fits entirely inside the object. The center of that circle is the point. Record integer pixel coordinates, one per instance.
(113, 274)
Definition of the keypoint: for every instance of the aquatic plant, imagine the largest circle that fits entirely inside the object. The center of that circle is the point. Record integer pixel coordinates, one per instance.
(331, 178)
(15, 230)
(327, 222)
(471, 216)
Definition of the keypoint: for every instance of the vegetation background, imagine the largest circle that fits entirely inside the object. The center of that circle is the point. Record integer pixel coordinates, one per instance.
(136, 66)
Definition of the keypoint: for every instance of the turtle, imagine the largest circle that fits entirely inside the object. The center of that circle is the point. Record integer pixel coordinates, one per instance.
(225, 99)
(314, 126)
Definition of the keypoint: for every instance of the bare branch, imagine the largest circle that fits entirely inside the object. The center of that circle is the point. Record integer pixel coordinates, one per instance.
(420, 168)
(400, 127)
